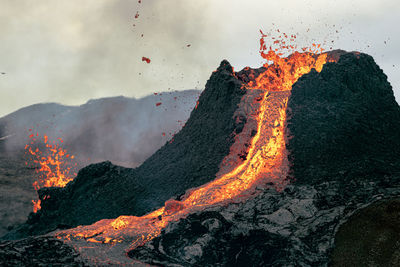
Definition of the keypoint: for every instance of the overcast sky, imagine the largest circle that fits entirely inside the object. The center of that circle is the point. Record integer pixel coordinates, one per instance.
(71, 51)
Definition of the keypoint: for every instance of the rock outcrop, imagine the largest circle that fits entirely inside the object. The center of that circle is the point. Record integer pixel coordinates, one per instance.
(293, 228)
(190, 159)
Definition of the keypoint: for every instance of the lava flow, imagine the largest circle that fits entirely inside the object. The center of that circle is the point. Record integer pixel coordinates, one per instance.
(55, 167)
(265, 160)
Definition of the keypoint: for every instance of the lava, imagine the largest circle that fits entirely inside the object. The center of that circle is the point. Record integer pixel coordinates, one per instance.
(285, 71)
(146, 59)
(264, 162)
(55, 167)
(36, 205)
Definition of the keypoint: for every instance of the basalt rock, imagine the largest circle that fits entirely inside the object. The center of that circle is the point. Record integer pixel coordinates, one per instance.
(296, 227)
(101, 129)
(38, 251)
(189, 160)
(370, 237)
(344, 123)
(344, 145)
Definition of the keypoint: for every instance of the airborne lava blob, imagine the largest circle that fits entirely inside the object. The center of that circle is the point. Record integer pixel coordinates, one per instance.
(263, 162)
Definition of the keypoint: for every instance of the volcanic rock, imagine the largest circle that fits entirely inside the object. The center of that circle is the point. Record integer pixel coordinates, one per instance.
(345, 123)
(344, 154)
(344, 127)
(102, 129)
(190, 159)
(38, 251)
(271, 229)
(124, 130)
(370, 237)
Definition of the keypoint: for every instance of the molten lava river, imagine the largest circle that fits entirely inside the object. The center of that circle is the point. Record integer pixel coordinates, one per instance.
(265, 163)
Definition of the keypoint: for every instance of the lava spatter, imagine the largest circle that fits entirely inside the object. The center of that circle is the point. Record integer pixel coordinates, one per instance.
(146, 59)
(55, 167)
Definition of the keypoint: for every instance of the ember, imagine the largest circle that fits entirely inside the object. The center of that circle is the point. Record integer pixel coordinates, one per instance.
(146, 59)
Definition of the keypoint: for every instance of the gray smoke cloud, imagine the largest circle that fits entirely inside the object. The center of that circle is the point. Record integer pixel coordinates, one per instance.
(123, 130)
(72, 51)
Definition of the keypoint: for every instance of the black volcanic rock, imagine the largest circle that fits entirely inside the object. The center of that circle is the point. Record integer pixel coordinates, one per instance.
(344, 155)
(344, 123)
(39, 251)
(194, 155)
(335, 175)
(370, 237)
(295, 227)
(191, 159)
(123, 130)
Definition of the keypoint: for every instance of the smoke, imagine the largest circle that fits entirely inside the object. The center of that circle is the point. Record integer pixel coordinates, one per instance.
(71, 51)
(123, 130)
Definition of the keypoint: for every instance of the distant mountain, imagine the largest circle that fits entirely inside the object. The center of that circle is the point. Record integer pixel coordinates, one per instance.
(123, 130)
(120, 129)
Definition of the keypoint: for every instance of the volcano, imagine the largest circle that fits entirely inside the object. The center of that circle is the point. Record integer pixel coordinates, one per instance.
(270, 164)
(122, 130)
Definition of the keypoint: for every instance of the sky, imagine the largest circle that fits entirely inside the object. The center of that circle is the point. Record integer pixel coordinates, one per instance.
(72, 51)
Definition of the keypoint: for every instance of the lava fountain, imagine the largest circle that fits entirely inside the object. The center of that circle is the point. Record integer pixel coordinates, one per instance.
(264, 162)
(54, 166)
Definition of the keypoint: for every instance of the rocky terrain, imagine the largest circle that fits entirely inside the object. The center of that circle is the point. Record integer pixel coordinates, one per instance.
(345, 135)
(191, 159)
(344, 122)
(370, 237)
(294, 228)
(341, 207)
(111, 119)
(113, 132)
(38, 251)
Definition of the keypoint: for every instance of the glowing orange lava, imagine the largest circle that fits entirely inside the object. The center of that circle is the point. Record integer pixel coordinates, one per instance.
(285, 71)
(55, 167)
(265, 161)
(146, 59)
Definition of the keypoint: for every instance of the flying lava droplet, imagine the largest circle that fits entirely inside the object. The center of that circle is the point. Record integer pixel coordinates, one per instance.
(146, 59)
